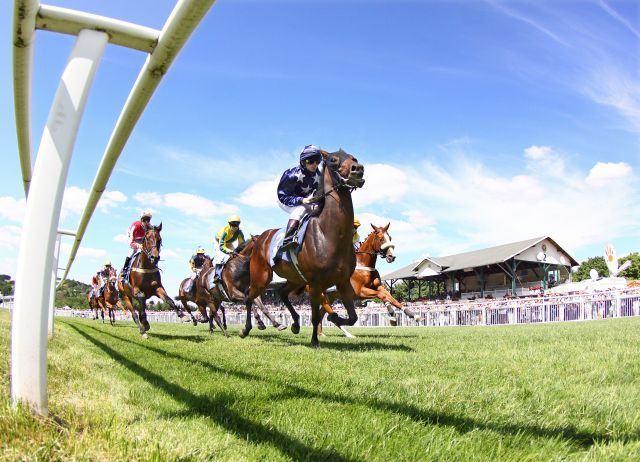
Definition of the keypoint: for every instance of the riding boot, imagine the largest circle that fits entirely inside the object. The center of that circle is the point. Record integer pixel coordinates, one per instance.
(125, 268)
(217, 274)
(289, 242)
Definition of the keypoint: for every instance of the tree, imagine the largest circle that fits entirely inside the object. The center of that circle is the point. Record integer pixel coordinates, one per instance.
(6, 287)
(596, 263)
(633, 272)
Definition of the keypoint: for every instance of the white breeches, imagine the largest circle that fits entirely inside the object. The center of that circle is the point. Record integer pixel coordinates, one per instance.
(295, 213)
(220, 257)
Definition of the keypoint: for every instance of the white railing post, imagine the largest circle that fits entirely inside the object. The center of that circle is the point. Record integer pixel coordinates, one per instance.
(54, 275)
(29, 324)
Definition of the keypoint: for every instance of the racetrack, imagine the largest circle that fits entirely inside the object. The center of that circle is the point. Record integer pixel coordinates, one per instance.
(534, 392)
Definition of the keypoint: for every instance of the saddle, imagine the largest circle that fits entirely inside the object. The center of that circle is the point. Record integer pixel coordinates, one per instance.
(291, 254)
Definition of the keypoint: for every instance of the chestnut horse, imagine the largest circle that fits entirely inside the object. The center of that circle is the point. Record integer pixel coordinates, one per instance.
(109, 299)
(234, 279)
(190, 296)
(326, 258)
(144, 280)
(365, 280)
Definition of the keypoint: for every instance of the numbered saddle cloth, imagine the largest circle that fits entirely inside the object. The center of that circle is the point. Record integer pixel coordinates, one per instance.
(278, 237)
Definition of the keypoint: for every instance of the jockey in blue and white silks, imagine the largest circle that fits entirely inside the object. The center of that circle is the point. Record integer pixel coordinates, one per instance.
(296, 188)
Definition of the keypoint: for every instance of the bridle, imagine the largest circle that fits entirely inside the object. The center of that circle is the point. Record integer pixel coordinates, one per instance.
(338, 182)
(385, 246)
(149, 244)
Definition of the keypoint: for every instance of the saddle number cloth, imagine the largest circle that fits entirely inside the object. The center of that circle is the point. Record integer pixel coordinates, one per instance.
(278, 238)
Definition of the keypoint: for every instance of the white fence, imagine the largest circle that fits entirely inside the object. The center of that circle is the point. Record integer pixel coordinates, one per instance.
(583, 307)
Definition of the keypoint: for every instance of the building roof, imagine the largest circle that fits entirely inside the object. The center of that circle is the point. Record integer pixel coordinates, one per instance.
(473, 259)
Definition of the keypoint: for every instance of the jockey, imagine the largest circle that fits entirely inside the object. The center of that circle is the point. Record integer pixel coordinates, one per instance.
(356, 236)
(225, 238)
(94, 286)
(105, 273)
(196, 262)
(137, 231)
(295, 190)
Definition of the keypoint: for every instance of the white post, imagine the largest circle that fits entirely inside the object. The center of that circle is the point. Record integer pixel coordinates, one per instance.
(33, 276)
(52, 296)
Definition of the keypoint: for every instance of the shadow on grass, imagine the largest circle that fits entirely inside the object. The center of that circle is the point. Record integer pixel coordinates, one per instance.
(219, 410)
(569, 433)
(329, 342)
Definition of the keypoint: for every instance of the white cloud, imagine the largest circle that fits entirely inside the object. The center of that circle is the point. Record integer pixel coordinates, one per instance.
(538, 152)
(262, 194)
(605, 172)
(121, 238)
(10, 237)
(383, 184)
(199, 206)
(75, 200)
(88, 252)
(187, 203)
(150, 198)
(12, 209)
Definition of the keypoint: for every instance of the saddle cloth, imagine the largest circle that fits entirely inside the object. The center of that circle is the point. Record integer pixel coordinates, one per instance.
(278, 237)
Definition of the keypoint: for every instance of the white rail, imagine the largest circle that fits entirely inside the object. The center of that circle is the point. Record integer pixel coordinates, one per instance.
(35, 285)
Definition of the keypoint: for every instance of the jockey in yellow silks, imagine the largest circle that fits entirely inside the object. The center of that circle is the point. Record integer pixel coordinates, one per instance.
(225, 239)
(356, 236)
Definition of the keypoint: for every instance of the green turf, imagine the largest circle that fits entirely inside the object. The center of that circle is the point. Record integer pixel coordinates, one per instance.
(566, 391)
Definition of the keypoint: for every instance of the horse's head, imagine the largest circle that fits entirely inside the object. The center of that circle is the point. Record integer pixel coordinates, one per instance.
(152, 243)
(349, 171)
(383, 244)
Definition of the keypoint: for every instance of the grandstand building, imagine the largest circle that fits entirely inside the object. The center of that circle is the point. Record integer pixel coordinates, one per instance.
(518, 268)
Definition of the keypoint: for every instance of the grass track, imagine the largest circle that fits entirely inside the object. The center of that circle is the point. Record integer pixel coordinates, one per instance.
(566, 391)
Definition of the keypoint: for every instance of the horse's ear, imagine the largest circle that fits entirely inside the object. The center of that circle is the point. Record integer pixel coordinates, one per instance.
(159, 227)
(374, 227)
(386, 228)
(324, 153)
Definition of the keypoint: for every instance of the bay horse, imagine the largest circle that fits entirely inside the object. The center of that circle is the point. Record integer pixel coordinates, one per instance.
(326, 258)
(110, 299)
(144, 280)
(365, 280)
(190, 296)
(234, 279)
(94, 305)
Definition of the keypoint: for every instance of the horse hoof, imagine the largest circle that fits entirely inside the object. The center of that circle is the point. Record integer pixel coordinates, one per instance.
(145, 336)
(243, 334)
(295, 328)
(281, 327)
(195, 323)
(322, 334)
(261, 327)
(315, 344)
(418, 319)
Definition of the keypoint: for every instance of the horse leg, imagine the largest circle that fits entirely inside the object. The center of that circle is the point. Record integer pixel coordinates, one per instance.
(162, 294)
(262, 308)
(258, 319)
(347, 294)
(213, 311)
(224, 316)
(185, 306)
(284, 296)
(316, 317)
(142, 314)
(134, 314)
(247, 326)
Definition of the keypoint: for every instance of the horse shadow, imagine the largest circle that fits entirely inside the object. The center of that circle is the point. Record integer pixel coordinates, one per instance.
(353, 345)
(427, 417)
(219, 410)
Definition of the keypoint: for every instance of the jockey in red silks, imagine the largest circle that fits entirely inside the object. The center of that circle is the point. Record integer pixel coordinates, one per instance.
(94, 286)
(137, 231)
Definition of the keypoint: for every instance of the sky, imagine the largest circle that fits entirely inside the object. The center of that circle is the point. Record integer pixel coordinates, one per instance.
(479, 123)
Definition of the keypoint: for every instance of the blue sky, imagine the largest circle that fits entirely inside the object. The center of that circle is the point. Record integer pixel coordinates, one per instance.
(478, 122)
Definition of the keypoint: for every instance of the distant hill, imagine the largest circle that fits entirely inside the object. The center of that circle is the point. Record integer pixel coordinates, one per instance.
(72, 293)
